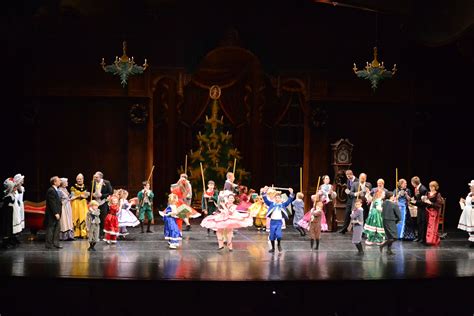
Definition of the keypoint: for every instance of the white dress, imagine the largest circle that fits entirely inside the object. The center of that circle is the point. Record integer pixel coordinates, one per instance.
(18, 223)
(466, 221)
(19, 198)
(125, 217)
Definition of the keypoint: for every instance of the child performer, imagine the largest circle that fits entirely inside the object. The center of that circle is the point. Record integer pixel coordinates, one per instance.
(125, 216)
(171, 230)
(93, 224)
(315, 224)
(226, 220)
(277, 212)
(357, 222)
(209, 200)
(111, 227)
(391, 216)
(145, 205)
(259, 211)
(298, 210)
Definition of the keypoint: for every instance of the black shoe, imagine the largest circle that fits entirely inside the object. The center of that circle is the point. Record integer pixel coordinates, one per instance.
(471, 245)
(149, 231)
(220, 248)
(188, 227)
(230, 250)
(342, 232)
(49, 247)
(59, 247)
(272, 250)
(208, 231)
(90, 248)
(390, 252)
(279, 248)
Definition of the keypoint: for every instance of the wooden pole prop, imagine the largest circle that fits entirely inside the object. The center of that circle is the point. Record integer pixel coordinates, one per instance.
(186, 165)
(93, 188)
(396, 183)
(203, 186)
(235, 163)
(317, 188)
(301, 179)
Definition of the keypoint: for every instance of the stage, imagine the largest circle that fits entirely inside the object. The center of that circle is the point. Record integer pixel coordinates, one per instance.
(144, 266)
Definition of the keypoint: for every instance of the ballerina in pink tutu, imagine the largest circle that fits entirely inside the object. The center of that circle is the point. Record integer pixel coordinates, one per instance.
(226, 219)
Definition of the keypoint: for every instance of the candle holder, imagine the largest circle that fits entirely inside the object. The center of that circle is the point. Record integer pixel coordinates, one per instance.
(124, 66)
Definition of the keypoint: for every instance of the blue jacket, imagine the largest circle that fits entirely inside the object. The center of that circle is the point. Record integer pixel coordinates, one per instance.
(272, 206)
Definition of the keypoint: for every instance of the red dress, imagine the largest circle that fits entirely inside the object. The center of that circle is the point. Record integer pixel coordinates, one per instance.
(180, 204)
(111, 226)
(432, 211)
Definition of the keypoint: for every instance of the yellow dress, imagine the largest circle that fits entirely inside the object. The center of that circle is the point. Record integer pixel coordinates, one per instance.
(79, 210)
(259, 211)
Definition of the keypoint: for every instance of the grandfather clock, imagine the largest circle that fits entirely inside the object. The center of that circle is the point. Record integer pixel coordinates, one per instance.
(341, 161)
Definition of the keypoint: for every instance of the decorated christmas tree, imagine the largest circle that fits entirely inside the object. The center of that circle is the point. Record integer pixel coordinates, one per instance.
(216, 153)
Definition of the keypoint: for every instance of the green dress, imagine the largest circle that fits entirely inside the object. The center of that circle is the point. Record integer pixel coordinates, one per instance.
(373, 227)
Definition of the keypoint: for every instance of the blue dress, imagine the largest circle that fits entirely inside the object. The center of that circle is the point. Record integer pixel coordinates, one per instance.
(405, 228)
(171, 230)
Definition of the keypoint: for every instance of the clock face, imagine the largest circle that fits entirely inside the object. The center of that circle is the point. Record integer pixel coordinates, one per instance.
(343, 156)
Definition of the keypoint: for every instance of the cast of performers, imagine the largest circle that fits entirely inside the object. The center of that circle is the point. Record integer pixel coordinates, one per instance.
(229, 184)
(125, 217)
(79, 196)
(357, 222)
(405, 228)
(67, 227)
(360, 190)
(373, 227)
(171, 230)
(101, 190)
(466, 221)
(93, 224)
(298, 213)
(433, 202)
(52, 214)
(145, 206)
(315, 224)
(391, 217)
(327, 197)
(419, 191)
(19, 223)
(6, 215)
(277, 212)
(350, 201)
(111, 226)
(209, 200)
(226, 219)
(258, 210)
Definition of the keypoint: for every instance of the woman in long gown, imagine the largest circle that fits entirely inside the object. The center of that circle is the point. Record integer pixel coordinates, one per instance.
(66, 226)
(466, 221)
(405, 228)
(79, 207)
(373, 227)
(434, 202)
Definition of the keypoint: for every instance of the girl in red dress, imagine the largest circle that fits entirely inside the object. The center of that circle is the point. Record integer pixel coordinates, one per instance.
(111, 225)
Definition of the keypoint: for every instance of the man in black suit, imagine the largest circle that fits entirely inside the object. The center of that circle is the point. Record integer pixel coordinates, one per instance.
(359, 190)
(421, 221)
(347, 217)
(53, 214)
(101, 190)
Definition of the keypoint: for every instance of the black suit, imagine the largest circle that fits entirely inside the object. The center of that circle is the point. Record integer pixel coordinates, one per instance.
(350, 200)
(53, 208)
(354, 189)
(391, 216)
(106, 191)
(421, 213)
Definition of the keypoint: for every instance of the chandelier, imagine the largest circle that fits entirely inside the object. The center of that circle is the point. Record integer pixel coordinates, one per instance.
(124, 66)
(375, 71)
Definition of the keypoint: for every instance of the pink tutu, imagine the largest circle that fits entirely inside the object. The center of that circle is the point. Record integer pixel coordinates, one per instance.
(304, 222)
(225, 220)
